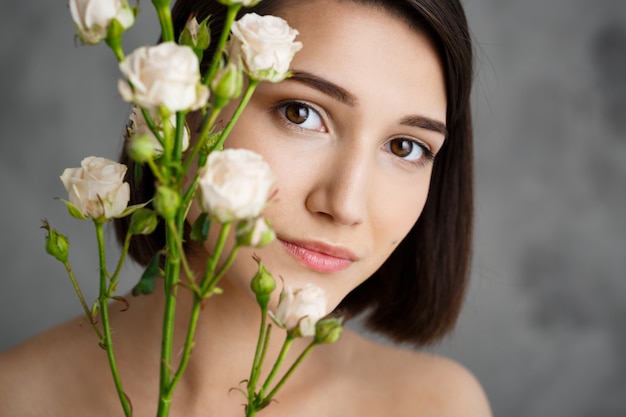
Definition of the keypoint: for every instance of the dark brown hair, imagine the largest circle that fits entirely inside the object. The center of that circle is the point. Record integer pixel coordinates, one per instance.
(417, 294)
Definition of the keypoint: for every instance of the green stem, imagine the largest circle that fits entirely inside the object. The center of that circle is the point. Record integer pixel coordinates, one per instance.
(181, 252)
(279, 361)
(152, 126)
(250, 411)
(116, 46)
(156, 171)
(81, 297)
(207, 125)
(258, 354)
(120, 263)
(189, 342)
(252, 84)
(231, 14)
(207, 281)
(304, 354)
(106, 325)
(225, 267)
(189, 194)
(165, 19)
(168, 139)
(178, 142)
(172, 270)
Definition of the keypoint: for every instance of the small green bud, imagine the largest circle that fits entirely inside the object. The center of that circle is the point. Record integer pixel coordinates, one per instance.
(328, 330)
(196, 35)
(166, 202)
(262, 285)
(57, 244)
(227, 84)
(141, 148)
(255, 233)
(143, 222)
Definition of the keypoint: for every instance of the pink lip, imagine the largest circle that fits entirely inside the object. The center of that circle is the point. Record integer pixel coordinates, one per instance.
(318, 256)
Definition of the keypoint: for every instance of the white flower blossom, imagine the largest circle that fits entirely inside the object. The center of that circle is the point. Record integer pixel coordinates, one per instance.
(299, 309)
(167, 75)
(265, 44)
(234, 185)
(92, 18)
(97, 189)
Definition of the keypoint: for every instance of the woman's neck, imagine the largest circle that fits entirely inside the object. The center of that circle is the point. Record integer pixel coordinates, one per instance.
(224, 347)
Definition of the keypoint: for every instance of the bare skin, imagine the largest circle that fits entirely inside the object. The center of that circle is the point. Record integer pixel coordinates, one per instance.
(337, 176)
(50, 377)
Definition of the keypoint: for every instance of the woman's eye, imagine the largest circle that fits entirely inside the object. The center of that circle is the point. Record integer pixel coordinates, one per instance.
(409, 150)
(303, 116)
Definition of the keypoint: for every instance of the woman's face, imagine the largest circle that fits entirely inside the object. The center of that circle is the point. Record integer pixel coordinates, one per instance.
(350, 138)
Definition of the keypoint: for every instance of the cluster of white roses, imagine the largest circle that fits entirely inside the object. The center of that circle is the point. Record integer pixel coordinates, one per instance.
(235, 184)
(164, 83)
(164, 79)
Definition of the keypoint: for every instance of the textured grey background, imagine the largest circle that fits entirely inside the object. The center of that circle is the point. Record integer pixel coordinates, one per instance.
(543, 327)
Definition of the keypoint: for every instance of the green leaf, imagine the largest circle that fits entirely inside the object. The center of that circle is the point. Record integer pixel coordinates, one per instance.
(74, 211)
(132, 209)
(200, 228)
(147, 281)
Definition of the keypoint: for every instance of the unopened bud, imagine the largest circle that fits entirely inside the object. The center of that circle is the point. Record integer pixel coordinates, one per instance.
(196, 35)
(143, 222)
(141, 148)
(166, 202)
(57, 244)
(262, 285)
(255, 233)
(328, 330)
(227, 85)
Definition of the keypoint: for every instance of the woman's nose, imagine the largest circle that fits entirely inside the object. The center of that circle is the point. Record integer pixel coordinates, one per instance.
(341, 190)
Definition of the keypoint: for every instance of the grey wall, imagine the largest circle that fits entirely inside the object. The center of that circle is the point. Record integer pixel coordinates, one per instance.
(543, 327)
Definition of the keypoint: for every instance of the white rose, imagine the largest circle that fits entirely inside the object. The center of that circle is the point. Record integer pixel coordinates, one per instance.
(97, 188)
(139, 126)
(265, 44)
(166, 74)
(234, 185)
(301, 308)
(93, 17)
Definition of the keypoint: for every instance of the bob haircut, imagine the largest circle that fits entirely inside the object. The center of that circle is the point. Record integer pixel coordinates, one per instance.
(416, 296)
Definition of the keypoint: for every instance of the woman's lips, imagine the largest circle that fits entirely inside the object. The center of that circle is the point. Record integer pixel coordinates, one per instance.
(319, 256)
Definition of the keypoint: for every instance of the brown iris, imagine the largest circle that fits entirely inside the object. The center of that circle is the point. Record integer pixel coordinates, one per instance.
(296, 113)
(401, 147)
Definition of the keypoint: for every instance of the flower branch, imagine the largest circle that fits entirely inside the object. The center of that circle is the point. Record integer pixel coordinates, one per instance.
(231, 187)
(103, 300)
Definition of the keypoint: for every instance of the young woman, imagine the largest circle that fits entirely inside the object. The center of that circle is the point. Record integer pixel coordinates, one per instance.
(370, 141)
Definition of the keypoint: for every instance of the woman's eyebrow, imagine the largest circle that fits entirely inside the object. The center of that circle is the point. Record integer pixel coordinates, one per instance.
(342, 95)
(424, 122)
(325, 86)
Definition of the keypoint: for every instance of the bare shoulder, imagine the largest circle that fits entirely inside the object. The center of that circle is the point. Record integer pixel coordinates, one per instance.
(40, 375)
(417, 383)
